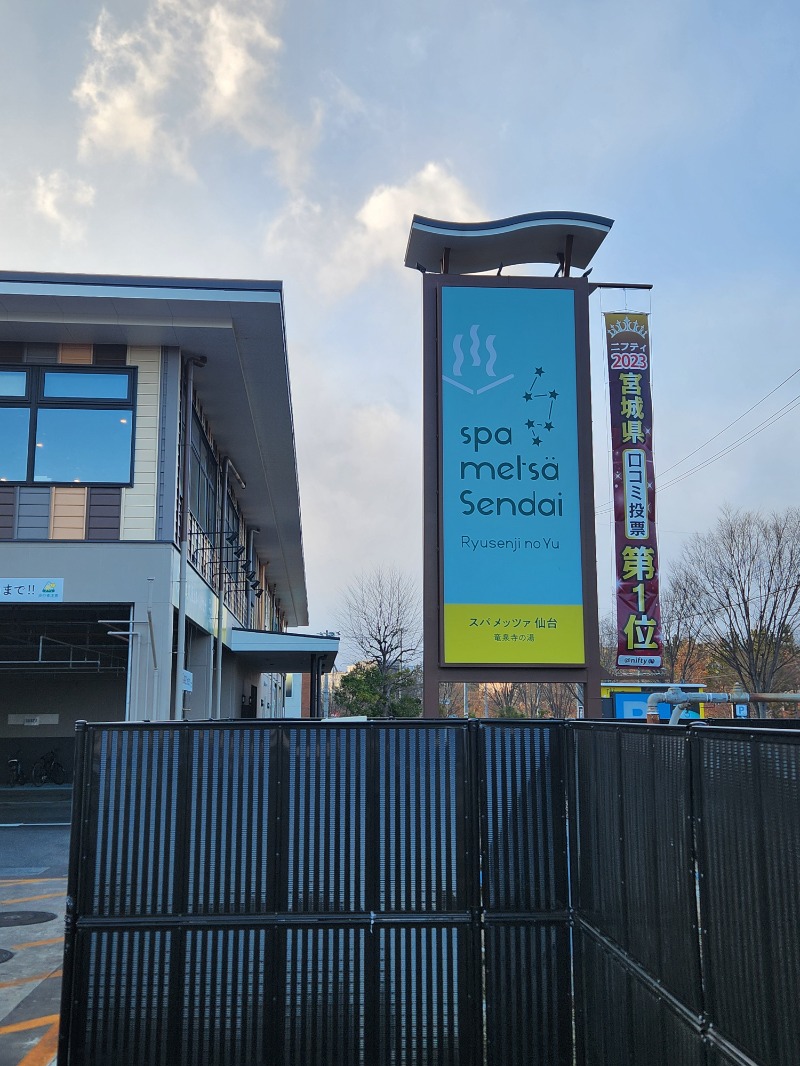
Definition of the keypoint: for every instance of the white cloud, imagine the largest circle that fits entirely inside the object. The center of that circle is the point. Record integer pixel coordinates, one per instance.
(308, 233)
(380, 229)
(186, 67)
(359, 470)
(123, 88)
(61, 199)
(235, 48)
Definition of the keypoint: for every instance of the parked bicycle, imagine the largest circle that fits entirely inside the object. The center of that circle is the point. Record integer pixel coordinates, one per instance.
(15, 772)
(48, 768)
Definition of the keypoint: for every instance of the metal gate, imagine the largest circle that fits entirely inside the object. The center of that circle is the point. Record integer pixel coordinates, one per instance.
(313, 893)
(433, 894)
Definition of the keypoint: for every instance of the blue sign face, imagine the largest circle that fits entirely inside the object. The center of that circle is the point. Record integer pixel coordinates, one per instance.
(512, 568)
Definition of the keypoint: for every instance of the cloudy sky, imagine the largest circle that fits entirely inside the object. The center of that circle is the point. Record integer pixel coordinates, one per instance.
(250, 138)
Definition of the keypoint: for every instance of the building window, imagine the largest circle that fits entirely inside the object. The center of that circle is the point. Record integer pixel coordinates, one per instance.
(13, 383)
(14, 433)
(67, 427)
(203, 481)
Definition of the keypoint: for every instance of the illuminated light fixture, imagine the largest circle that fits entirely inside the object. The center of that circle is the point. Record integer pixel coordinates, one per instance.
(39, 444)
(124, 421)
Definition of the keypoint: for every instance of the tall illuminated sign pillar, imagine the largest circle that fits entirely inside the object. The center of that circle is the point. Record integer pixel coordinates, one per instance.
(510, 562)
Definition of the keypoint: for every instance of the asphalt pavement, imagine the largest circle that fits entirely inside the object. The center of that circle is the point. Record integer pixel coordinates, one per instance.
(34, 852)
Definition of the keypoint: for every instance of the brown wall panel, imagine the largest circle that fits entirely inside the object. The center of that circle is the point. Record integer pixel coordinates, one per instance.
(75, 353)
(68, 514)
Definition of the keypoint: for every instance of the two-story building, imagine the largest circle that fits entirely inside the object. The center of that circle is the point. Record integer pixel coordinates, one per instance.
(151, 556)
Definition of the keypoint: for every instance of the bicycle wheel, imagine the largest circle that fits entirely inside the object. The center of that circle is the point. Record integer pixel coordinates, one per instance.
(58, 775)
(39, 772)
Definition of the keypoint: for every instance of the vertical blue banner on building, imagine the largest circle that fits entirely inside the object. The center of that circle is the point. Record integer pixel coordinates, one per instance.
(510, 513)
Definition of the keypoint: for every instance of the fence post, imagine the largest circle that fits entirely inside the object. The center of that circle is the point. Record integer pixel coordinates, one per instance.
(79, 790)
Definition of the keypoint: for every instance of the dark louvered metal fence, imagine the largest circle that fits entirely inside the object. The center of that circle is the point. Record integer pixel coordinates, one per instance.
(686, 894)
(304, 893)
(433, 894)
(525, 894)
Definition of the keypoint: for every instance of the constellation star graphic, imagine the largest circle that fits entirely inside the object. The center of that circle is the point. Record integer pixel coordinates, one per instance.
(546, 407)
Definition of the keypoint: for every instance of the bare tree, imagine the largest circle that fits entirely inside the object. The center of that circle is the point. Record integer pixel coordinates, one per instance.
(743, 581)
(681, 629)
(608, 647)
(380, 617)
(502, 697)
(559, 700)
(450, 699)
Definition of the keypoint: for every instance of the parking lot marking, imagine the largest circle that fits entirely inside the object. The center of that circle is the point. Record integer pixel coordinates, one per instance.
(32, 1023)
(37, 943)
(43, 1052)
(31, 899)
(38, 825)
(27, 980)
(4, 883)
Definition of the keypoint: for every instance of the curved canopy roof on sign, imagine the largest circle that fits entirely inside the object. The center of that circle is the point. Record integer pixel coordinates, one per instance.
(471, 247)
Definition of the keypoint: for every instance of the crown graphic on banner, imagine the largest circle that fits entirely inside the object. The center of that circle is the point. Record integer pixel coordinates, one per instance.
(625, 325)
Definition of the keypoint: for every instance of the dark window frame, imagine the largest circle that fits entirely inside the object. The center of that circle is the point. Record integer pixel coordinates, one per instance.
(35, 400)
(203, 480)
(17, 401)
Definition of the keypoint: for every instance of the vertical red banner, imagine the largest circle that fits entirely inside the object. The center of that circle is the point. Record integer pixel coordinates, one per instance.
(635, 547)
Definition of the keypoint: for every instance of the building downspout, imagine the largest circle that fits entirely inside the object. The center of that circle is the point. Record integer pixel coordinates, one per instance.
(178, 702)
(227, 466)
(252, 566)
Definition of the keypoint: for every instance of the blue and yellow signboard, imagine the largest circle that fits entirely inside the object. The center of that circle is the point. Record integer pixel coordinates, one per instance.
(510, 528)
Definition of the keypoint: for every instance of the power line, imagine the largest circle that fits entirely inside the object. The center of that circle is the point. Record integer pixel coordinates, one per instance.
(758, 403)
(787, 408)
(776, 417)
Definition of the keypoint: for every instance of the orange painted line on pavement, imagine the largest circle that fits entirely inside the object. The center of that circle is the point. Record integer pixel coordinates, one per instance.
(37, 943)
(28, 881)
(27, 980)
(32, 1023)
(31, 899)
(42, 1054)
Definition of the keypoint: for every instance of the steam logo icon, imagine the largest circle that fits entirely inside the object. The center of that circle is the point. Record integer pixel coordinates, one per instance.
(480, 369)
